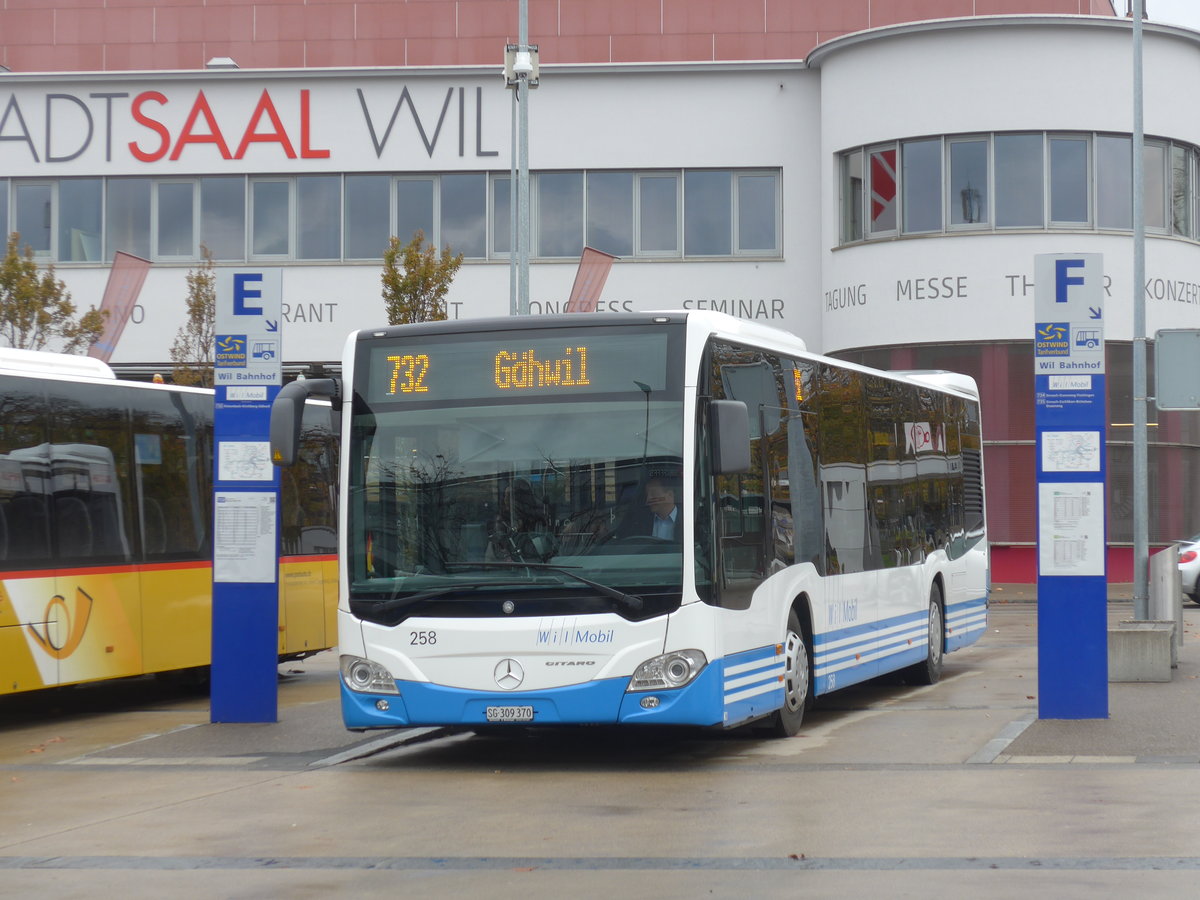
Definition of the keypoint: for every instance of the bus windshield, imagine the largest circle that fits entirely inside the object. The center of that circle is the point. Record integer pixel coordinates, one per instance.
(501, 481)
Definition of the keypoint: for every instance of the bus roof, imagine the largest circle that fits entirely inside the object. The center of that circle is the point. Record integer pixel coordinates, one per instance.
(41, 362)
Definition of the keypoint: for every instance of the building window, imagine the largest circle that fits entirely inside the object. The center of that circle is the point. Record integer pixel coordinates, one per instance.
(4, 209)
(32, 215)
(882, 191)
(658, 214)
(559, 206)
(174, 216)
(464, 214)
(1114, 186)
(1154, 162)
(1020, 183)
(757, 225)
(223, 216)
(921, 181)
(270, 217)
(707, 213)
(80, 205)
(852, 196)
(127, 217)
(502, 213)
(969, 197)
(336, 217)
(367, 218)
(1069, 181)
(610, 212)
(1007, 181)
(414, 208)
(318, 220)
(1181, 190)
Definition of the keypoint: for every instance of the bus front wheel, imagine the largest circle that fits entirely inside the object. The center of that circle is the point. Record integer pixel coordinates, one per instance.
(797, 680)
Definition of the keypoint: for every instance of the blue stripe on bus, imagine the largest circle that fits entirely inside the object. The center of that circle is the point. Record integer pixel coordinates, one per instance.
(595, 702)
(753, 683)
(965, 622)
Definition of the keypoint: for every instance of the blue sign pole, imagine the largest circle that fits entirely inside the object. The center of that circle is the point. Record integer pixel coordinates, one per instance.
(1070, 424)
(245, 610)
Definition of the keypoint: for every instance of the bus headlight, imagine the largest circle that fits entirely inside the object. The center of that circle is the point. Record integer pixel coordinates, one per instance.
(367, 677)
(671, 670)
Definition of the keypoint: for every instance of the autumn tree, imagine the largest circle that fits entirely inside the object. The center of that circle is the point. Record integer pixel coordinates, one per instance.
(192, 351)
(36, 310)
(416, 280)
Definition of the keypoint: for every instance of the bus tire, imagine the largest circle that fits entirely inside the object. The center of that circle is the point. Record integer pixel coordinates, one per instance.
(797, 680)
(929, 671)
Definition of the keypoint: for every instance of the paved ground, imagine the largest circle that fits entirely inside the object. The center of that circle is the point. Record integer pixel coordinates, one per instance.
(96, 725)
(890, 790)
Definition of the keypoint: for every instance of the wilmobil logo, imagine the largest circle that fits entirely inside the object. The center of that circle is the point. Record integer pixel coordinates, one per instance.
(1053, 339)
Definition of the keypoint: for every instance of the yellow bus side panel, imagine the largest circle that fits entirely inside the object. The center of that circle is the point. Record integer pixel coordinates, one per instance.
(177, 617)
(303, 613)
(73, 628)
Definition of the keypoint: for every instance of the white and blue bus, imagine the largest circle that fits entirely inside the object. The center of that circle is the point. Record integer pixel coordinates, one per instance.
(500, 478)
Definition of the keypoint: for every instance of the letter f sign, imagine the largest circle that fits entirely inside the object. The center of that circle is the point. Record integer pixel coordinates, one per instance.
(1062, 280)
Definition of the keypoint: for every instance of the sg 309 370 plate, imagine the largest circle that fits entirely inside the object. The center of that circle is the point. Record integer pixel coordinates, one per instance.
(509, 713)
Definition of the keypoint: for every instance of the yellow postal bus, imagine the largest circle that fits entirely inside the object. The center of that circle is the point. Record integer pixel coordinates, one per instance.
(106, 526)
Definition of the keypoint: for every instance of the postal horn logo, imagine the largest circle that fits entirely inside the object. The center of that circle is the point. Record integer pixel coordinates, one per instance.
(73, 624)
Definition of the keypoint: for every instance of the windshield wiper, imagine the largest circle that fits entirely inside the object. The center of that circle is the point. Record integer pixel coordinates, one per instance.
(632, 602)
(387, 606)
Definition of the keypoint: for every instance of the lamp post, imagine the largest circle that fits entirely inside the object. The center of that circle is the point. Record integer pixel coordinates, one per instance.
(521, 74)
(1141, 554)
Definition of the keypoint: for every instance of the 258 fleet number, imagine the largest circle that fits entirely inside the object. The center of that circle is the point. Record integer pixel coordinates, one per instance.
(422, 638)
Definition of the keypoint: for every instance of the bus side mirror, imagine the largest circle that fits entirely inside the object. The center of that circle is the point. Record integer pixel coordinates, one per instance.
(729, 422)
(287, 412)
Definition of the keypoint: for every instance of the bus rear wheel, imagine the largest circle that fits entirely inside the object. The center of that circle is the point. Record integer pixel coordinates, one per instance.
(797, 680)
(929, 671)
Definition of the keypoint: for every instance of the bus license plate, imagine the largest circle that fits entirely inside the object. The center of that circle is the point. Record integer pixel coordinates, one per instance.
(510, 713)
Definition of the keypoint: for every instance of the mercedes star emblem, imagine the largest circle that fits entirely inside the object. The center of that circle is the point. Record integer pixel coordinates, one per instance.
(509, 674)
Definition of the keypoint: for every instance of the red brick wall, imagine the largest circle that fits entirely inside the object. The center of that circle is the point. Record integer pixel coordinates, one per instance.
(99, 35)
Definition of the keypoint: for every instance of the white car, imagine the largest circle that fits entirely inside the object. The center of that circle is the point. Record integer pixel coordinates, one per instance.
(1189, 566)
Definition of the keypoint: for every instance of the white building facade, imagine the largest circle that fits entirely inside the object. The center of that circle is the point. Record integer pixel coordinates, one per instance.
(884, 199)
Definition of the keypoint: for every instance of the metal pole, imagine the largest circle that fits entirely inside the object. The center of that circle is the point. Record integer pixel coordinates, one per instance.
(512, 211)
(523, 164)
(1141, 554)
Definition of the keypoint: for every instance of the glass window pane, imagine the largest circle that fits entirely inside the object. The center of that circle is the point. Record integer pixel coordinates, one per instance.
(922, 182)
(414, 209)
(367, 218)
(559, 214)
(1114, 182)
(1181, 192)
(175, 202)
(969, 201)
(318, 219)
(707, 213)
(501, 213)
(1019, 183)
(756, 213)
(223, 216)
(610, 212)
(883, 190)
(658, 214)
(852, 196)
(1068, 180)
(127, 217)
(79, 219)
(271, 218)
(31, 208)
(1155, 181)
(4, 208)
(464, 214)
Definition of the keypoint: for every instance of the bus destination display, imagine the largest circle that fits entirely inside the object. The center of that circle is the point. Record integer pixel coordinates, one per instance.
(519, 365)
